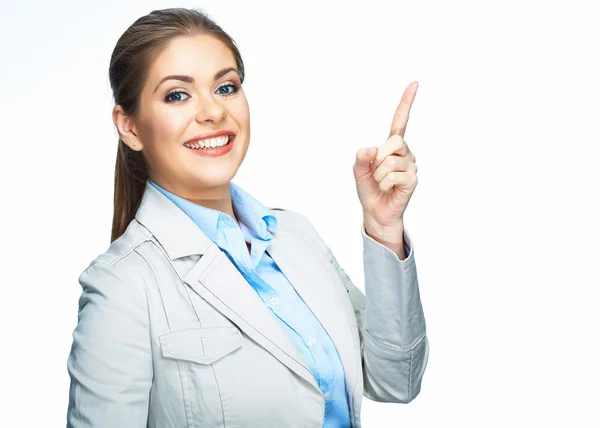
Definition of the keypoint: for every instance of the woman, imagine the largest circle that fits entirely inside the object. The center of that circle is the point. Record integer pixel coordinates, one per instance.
(180, 323)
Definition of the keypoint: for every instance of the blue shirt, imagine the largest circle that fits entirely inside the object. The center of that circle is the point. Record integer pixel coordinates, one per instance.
(257, 226)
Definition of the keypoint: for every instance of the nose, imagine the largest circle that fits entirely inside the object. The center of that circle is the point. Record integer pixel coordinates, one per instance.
(210, 109)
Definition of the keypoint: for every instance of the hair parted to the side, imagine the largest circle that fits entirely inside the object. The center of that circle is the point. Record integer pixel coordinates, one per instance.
(135, 50)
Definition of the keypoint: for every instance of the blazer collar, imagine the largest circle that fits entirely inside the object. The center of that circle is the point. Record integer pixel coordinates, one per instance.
(178, 234)
(175, 230)
(252, 215)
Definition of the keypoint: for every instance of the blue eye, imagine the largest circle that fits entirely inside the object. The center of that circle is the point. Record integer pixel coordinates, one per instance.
(231, 85)
(174, 93)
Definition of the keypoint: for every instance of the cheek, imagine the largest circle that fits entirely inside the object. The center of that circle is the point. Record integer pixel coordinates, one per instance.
(241, 112)
(160, 132)
(167, 126)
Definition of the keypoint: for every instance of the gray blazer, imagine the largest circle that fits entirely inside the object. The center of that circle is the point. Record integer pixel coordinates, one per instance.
(170, 334)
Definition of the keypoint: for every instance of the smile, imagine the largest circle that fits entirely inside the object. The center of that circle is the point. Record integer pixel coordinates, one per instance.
(212, 147)
(210, 143)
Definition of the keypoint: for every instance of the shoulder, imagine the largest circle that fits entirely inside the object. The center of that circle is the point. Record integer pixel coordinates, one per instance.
(122, 263)
(291, 220)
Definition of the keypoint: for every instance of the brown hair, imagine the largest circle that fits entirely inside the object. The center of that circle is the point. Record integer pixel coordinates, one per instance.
(135, 50)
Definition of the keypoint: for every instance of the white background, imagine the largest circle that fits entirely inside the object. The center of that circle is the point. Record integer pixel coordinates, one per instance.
(505, 127)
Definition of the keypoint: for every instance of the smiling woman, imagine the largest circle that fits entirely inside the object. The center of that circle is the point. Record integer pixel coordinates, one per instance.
(191, 95)
(209, 309)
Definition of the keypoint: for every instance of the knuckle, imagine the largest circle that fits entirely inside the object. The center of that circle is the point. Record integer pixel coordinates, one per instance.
(388, 161)
(397, 140)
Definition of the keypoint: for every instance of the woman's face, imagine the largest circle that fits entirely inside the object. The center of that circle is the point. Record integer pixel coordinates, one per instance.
(174, 111)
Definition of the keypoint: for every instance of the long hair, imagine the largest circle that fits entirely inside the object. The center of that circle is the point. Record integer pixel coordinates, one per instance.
(135, 50)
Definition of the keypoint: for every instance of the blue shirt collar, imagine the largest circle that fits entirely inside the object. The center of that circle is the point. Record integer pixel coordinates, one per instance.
(249, 211)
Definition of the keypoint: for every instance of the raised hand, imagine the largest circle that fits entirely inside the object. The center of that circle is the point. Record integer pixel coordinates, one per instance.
(386, 177)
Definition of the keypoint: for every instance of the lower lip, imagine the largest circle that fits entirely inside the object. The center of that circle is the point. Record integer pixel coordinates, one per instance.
(211, 153)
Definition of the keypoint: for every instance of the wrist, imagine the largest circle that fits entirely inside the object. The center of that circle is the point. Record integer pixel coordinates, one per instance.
(389, 236)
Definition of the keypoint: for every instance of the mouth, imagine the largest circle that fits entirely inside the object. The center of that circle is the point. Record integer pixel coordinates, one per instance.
(209, 144)
(212, 147)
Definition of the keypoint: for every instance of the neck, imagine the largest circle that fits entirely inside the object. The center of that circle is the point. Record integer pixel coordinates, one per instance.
(216, 197)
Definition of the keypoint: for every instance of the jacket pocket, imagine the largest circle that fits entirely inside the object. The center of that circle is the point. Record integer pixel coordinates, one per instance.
(203, 345)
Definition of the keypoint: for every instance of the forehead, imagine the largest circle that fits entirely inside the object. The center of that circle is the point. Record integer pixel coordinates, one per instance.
(199, 56)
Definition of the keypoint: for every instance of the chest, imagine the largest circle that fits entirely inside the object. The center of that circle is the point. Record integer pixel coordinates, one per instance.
(211, 326)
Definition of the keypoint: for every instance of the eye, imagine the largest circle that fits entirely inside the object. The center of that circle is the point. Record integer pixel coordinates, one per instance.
(234, 89)
(167, 99)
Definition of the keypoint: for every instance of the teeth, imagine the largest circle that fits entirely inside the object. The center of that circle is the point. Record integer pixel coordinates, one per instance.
(209, 142)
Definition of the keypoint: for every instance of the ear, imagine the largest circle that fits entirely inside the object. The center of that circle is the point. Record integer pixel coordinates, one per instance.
(126, 129)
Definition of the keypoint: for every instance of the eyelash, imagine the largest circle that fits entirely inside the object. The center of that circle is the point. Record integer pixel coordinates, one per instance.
(235, 90)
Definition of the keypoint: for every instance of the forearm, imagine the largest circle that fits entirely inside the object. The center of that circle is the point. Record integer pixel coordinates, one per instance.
(394, 314)
(395, 343)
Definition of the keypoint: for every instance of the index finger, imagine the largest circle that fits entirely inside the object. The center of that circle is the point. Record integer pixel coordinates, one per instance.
(402, 112)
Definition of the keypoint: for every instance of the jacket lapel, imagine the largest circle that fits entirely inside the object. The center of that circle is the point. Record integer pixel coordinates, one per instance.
(319, 286)
(217, 281)
(215, 278)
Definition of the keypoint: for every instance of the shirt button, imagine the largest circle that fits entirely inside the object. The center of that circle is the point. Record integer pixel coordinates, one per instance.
(274, 301)
(327, 395)
(312, 341)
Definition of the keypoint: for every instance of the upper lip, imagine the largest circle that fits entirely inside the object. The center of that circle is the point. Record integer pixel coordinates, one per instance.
(209, 135)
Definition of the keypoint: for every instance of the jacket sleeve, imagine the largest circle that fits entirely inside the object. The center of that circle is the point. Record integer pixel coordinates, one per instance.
(391, 323)
(110, 363)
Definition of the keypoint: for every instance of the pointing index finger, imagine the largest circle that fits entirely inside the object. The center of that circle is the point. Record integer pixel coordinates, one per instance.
(402, 112)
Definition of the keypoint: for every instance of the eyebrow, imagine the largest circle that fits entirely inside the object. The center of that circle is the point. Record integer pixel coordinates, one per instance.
(190, 79)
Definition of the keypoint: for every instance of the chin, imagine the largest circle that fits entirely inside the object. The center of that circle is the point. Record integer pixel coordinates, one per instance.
(214, 177)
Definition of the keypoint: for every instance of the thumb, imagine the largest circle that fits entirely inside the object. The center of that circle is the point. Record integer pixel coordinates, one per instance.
(364, 157)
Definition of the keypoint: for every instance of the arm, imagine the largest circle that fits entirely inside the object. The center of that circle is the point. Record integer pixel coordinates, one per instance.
(110, 363)
(391, 322)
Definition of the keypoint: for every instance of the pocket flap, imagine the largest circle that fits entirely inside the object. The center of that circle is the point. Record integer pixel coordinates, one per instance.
(201, 345)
